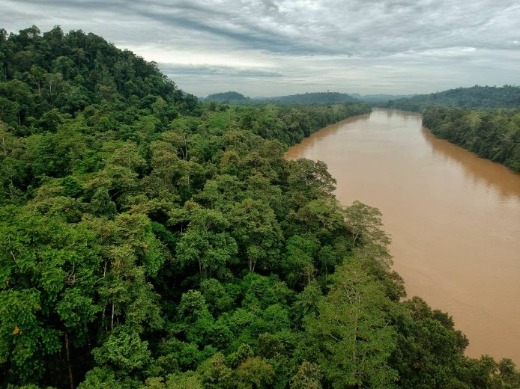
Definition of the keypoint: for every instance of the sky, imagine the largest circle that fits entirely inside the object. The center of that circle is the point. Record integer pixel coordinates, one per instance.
(281, 47)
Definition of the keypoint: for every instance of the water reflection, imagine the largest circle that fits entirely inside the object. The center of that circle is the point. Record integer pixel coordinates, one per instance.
(494, 176)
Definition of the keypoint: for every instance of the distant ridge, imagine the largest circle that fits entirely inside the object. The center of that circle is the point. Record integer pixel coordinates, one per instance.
(297, 99)
(315, 98)
(379, 98)
(477, 96)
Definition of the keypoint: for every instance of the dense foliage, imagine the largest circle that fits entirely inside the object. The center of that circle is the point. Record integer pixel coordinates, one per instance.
(150, 241)
(492, 134)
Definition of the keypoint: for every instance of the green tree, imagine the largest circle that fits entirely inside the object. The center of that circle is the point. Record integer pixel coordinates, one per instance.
(307, 377)
(429, 350)
(364, 222)
(298, 263)
(309, 180)
(215, 374)
(124, 351)
(254, 372)
(352, 331)
(207, 243)
(257, 232)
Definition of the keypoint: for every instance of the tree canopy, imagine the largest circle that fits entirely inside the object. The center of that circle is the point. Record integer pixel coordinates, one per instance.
(492, 134)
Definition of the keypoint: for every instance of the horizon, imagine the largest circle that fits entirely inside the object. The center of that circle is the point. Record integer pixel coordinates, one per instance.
(354, 94)
(279, 47)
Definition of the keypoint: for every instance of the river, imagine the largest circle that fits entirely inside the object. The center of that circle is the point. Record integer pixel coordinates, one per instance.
(454, 219)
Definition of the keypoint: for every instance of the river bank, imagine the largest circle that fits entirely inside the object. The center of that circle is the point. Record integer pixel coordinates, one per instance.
(454, 218)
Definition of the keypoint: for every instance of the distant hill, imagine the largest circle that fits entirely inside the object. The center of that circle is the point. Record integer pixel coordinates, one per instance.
(380, 98)
(303, 98)
(228, 97)
(314, 98)
(475, 97)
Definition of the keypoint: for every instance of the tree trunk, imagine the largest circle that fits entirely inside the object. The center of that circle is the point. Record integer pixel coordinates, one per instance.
(112, 319)
(69, 365)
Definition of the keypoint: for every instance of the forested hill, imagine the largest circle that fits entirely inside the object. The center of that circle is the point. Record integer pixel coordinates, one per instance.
(151, 241)
(314, 98)
(474, 97)
(46, 78)
(228, 97)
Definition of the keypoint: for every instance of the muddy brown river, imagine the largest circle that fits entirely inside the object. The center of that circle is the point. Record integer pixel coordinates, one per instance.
(454, 219)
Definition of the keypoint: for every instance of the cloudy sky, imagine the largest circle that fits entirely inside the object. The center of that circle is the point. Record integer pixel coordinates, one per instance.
(279, 47)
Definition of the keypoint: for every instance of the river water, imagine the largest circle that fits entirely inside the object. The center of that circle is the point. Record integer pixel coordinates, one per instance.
(454, 219)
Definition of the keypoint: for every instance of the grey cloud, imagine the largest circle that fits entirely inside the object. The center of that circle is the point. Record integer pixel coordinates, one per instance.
(301, 43)
(250, 31)
(357, 27)
(216, 70)
(270, 6)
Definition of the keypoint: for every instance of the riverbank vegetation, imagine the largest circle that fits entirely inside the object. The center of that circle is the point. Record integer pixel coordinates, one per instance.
(151, 241)
(485, 120)
(492, 134)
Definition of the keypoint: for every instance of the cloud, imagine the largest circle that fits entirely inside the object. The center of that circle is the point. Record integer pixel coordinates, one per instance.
(227, 71)
(314, 44)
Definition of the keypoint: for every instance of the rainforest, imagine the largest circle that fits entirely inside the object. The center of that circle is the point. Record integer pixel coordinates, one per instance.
(152, 240)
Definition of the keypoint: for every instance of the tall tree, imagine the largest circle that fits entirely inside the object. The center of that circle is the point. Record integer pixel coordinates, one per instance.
(352, 331)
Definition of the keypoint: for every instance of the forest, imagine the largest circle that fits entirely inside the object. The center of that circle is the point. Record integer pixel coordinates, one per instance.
(492, 134)
(484, 120)
(149, 240)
